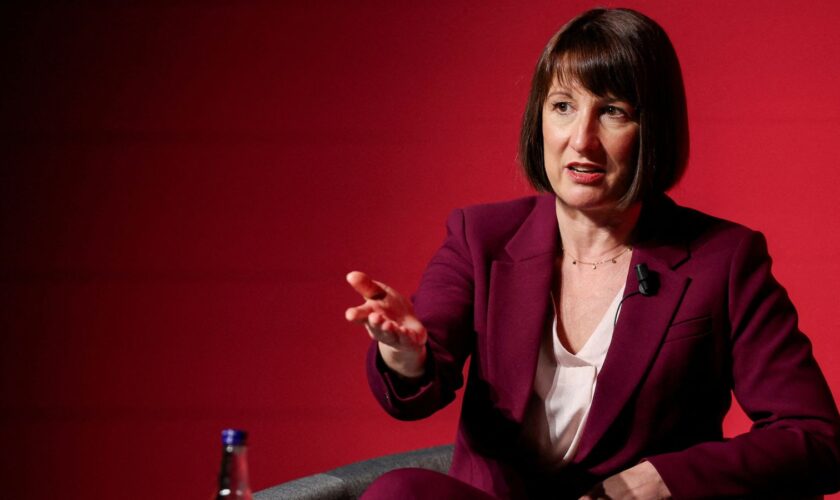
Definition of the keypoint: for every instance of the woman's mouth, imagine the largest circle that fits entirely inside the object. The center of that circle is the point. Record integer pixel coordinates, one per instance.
(585, 174)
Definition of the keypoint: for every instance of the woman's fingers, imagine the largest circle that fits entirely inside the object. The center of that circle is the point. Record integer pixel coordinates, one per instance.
(365, 286)
(389, 332)
(387, 315)
(360, 313)
(383, 331)
(375, 319)
(375, 294)
(357, 314)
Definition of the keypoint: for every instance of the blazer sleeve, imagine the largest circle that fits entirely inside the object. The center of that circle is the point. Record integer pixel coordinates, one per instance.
(444, 304)
(792, 447)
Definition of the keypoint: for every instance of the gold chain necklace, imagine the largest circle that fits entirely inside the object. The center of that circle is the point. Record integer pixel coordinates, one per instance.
(595, 265)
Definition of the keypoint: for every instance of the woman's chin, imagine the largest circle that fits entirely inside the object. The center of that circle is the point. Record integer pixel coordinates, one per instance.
(587, 203)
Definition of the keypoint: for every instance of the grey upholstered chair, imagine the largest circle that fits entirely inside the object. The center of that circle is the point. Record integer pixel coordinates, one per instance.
(350, 481)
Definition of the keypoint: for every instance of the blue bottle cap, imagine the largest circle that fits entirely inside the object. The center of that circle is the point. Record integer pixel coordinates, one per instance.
(234, 437)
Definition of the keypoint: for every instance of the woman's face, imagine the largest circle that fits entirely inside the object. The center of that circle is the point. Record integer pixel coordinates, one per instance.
(590, 145)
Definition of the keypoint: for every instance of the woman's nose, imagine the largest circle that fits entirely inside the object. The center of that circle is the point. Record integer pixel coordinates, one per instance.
(585, 133)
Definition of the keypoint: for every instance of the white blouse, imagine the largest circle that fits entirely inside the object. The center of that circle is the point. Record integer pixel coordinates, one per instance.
(563, 389)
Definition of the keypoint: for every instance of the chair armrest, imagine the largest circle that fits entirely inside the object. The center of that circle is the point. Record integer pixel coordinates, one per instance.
(350, 481)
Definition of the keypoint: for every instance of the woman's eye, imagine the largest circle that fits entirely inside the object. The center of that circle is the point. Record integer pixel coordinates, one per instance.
(614, 111)
(617, 113)
(562, 106)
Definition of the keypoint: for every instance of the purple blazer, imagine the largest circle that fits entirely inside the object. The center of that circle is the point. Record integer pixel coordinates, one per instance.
(719, 323)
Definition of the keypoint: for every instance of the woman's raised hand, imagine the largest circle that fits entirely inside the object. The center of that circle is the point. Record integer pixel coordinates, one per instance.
(389, 319)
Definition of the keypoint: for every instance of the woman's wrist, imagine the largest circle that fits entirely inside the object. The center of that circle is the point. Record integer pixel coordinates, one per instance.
(408, 364)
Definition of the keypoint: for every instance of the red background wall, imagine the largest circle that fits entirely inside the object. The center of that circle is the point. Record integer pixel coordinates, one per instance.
(183, 186)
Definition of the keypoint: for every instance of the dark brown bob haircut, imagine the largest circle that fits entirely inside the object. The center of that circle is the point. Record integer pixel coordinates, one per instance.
(623, 54)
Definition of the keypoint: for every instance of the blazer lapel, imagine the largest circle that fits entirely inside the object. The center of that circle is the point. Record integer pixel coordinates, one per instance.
(522, 284)
(641, 326)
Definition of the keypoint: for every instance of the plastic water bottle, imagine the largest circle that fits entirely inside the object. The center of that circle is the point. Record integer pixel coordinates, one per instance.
(233, 476)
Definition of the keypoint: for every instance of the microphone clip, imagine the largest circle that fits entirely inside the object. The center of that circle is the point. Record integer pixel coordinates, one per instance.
(648, 280)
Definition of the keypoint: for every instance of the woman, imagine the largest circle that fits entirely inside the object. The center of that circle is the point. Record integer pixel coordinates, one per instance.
(607, 326)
